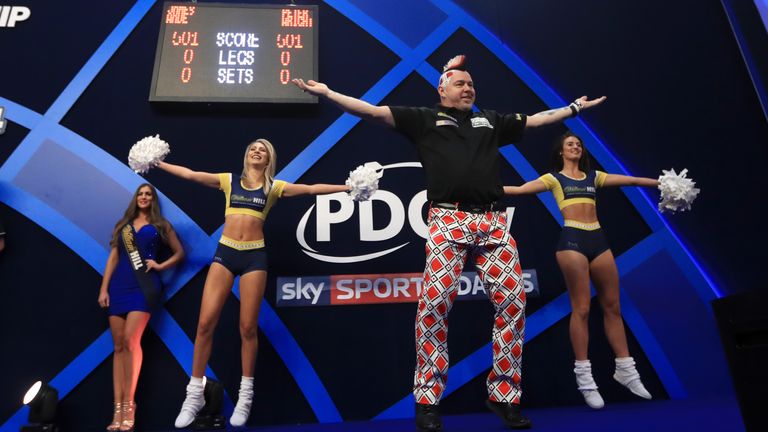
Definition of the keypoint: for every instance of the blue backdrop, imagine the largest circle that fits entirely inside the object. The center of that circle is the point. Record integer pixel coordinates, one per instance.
(684, 90)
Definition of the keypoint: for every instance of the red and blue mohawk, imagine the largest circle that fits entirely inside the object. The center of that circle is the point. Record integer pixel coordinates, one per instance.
(456, 63)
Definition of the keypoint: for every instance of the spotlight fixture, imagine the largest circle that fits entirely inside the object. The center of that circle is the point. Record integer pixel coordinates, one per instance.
(42, 400)
(210, 416)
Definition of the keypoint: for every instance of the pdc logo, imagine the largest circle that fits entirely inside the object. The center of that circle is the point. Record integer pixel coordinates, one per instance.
(10, 15)
(333, 209)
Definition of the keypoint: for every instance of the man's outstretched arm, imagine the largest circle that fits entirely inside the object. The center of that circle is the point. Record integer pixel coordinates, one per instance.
(357, 107)
(559, 114)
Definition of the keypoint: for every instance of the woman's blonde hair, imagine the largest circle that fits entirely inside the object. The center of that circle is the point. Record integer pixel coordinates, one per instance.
(269, 171)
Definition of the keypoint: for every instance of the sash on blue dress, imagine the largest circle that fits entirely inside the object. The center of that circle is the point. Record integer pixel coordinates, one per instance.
(150, 286)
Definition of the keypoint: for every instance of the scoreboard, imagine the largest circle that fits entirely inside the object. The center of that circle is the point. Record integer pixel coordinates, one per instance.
(220, 52)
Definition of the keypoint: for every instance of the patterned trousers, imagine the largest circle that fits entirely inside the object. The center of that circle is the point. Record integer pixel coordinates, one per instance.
(453, 236)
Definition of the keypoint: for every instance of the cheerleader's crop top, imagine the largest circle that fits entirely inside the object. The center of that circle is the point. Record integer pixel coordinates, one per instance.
(252, 202)
(569, 191)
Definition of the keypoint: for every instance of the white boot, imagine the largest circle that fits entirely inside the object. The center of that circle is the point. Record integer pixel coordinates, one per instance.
(244, 400)
(193, 403)
(587, 386)
(627, 375)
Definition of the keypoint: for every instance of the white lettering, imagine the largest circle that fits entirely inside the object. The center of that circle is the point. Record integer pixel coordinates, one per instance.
(236, 57)
(396, 221)
(362, 286)
(478, 287)
(464, 285)
(400, 287)
(10, 15)
(527, 283)
(235, 76)
(325, 218)
(288, 291)
(418, 282)
(4, 12)
(237, 40)
(136, 260)
(342, 285)
(377, 285)
(2, 120)
(298, 291)
(415, 218)
(315, 290)
(510, 215)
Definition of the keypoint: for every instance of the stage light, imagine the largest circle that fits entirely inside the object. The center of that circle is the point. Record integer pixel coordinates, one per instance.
(210, 416)
(42, 400)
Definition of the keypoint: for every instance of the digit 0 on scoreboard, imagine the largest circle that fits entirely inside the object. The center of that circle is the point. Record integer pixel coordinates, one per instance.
(222, 52)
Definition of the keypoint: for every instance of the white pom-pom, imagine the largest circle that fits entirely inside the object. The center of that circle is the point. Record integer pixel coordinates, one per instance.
(677, 191)
(147, 153)
(364, 181)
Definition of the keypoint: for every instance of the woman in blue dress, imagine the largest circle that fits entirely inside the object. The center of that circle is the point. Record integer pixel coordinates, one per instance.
(130, 288)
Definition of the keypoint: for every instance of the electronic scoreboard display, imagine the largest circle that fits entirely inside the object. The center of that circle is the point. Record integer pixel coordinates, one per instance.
(220, 52)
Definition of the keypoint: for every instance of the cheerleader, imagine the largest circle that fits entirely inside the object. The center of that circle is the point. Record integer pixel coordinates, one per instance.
(242, 252)
(583, 254)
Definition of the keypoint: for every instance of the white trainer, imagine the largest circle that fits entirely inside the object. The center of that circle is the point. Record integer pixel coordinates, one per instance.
(193, 403)
(627, 375)
(243, 407)
(586, 384)
(593, 398)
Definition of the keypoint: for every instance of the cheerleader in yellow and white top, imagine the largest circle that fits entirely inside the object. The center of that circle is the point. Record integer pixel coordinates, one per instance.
(583, 254)
(241, 252)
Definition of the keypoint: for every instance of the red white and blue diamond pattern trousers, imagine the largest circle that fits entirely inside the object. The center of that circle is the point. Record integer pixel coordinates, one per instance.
(453, 236)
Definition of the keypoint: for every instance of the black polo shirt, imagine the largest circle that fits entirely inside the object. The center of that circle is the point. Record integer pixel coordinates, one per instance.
(459, 150)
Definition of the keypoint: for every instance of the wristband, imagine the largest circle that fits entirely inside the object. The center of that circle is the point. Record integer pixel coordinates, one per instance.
(574, 109)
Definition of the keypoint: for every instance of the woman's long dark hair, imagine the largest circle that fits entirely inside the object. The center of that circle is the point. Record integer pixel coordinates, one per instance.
(556, 157)
(155, 216)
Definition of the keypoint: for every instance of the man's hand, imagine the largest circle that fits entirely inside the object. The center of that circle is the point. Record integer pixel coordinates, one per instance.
(586, 103)
(311, 86)
(559, 114)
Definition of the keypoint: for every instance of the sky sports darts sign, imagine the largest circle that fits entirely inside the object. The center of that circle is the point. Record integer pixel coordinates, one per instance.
(343, 290)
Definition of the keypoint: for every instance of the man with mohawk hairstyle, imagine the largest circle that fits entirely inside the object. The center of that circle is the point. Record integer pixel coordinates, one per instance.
(459, 150)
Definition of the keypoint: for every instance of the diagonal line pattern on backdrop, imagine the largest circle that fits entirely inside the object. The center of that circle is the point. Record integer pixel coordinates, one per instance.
(412, 60)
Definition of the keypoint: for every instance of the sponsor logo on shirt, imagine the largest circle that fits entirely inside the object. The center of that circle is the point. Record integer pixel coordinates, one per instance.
(481, 122)
(255, 201)
(446, 123)
(579, 189)
(442, 114)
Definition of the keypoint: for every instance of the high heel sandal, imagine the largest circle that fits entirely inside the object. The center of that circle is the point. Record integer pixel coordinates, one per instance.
(117, 418)
(129, 413)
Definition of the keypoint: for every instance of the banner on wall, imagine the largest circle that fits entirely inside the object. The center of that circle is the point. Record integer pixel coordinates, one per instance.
(396, 215)
(346, 290)
(11, 15)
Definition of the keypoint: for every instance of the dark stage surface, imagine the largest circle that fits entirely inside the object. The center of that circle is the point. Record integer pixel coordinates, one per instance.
(668, 415)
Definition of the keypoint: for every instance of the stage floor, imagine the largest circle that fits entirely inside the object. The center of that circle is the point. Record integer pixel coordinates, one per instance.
(658, 416)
